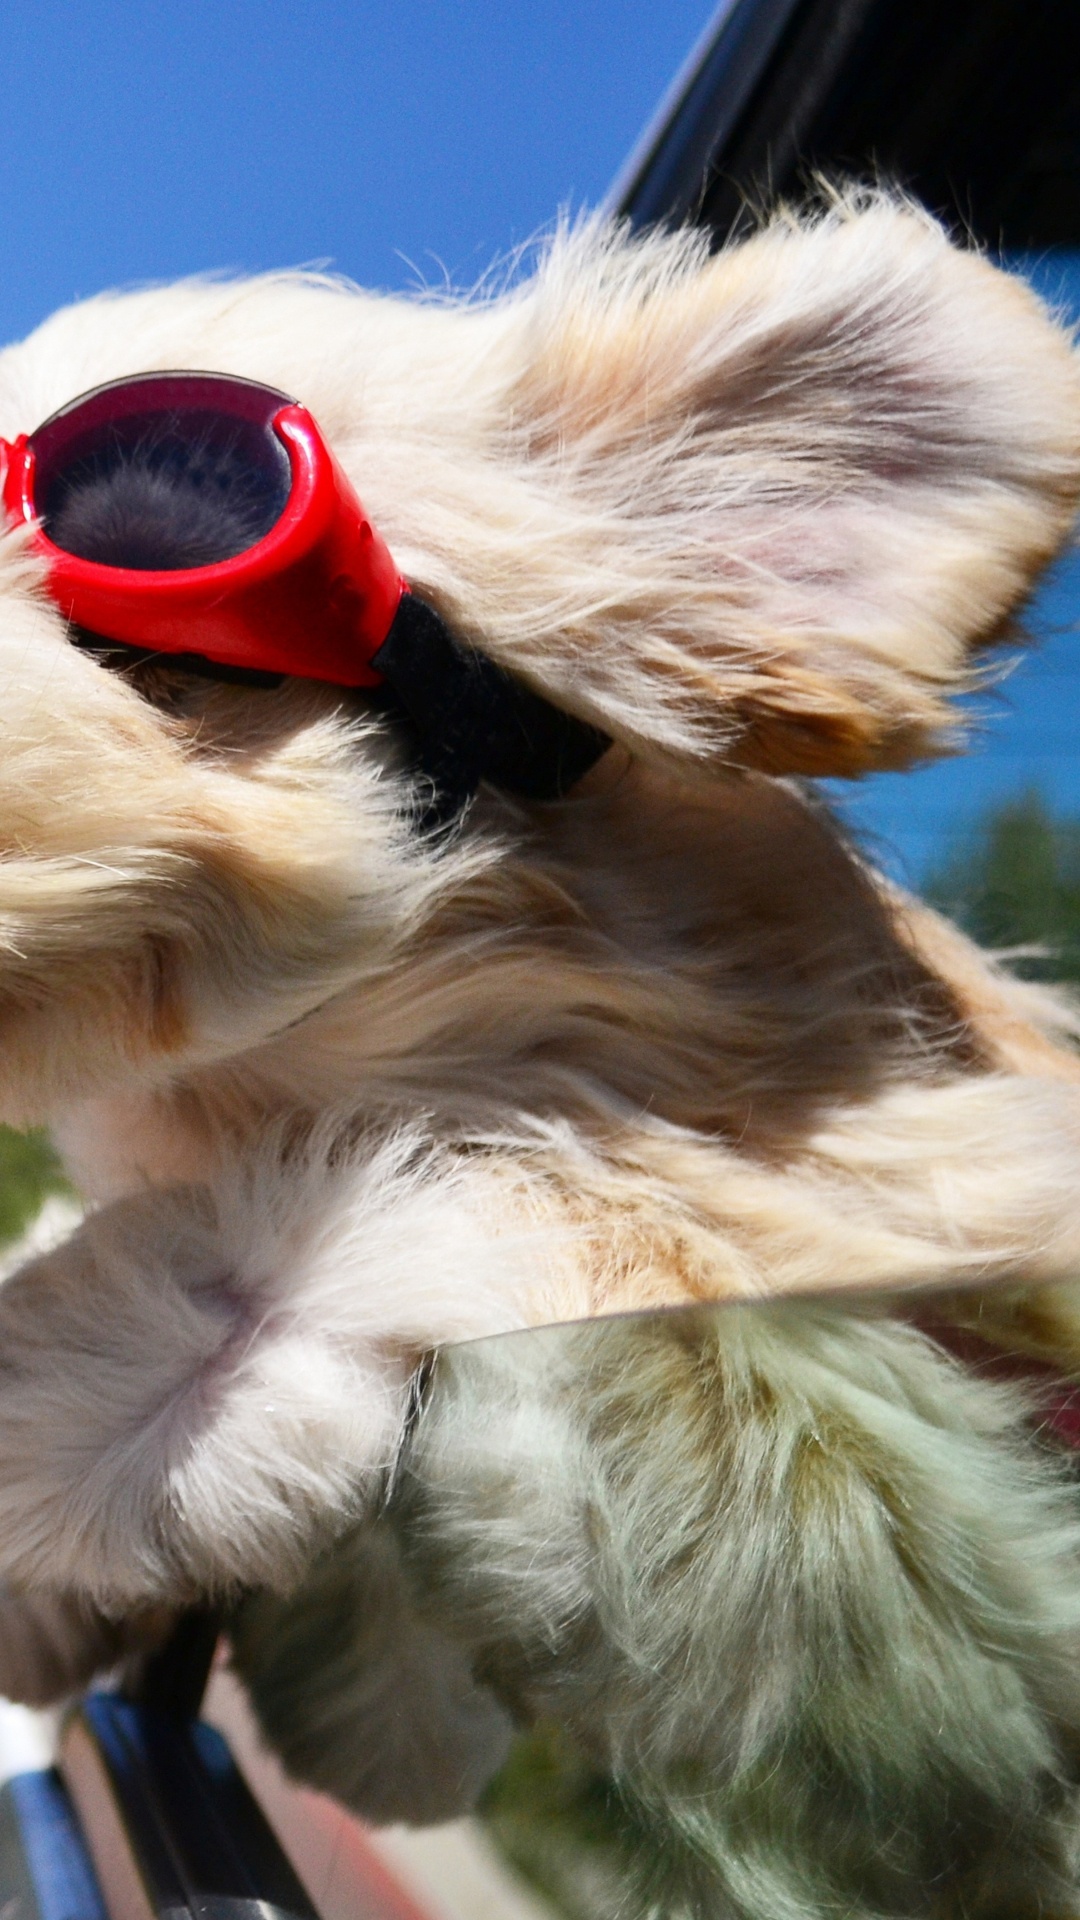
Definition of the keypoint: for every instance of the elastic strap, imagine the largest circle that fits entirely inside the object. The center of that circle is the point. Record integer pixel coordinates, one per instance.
(473, 721)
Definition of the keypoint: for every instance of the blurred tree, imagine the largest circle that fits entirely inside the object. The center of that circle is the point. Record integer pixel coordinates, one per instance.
(29, 1172)
(1014, 884)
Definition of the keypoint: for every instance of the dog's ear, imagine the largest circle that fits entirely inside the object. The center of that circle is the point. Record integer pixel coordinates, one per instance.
(763, 505)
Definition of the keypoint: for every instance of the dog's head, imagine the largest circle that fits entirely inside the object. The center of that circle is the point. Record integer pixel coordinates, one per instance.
(755, 509)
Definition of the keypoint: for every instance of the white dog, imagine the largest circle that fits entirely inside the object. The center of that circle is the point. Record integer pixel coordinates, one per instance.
(340, 1091)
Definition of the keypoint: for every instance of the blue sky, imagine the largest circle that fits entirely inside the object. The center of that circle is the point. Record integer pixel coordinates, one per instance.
(401, 140)
(149, 138)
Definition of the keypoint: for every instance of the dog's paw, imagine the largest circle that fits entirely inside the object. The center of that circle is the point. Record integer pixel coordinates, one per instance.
(363, 1699)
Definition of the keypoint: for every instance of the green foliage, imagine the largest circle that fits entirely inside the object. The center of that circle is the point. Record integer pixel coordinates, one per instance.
(29, 1172)
(1014, 883)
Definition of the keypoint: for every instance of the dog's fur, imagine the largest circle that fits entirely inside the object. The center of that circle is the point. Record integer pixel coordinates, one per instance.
(340, 1093)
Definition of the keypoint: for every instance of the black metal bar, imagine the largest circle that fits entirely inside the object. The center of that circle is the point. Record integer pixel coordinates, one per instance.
(973, 105)
(665, 180)
(173, 1680)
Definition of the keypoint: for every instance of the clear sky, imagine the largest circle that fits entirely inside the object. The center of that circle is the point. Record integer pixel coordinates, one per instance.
(400, 140)
(392, 138)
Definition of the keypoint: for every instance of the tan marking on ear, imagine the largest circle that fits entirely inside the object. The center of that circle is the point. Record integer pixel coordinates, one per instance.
(168, 1028)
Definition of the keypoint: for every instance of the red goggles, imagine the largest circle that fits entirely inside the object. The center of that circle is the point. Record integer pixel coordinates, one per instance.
(204, 517)
(195, 512)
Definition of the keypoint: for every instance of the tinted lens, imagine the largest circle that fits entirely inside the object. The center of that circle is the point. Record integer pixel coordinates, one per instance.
(173, 482)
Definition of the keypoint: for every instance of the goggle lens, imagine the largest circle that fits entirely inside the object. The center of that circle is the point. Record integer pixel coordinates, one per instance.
(203, 515)
(163, 474)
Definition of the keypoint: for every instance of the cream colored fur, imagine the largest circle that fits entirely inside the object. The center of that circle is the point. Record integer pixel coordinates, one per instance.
(336, 1095)
(800, 1587)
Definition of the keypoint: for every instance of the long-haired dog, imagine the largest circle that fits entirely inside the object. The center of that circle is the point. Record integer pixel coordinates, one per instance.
(340, 1090)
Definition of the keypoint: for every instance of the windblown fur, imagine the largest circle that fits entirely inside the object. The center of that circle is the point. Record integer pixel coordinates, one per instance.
(337, 1094)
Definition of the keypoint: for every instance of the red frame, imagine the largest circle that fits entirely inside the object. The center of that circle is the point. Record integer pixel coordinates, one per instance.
(315, 597)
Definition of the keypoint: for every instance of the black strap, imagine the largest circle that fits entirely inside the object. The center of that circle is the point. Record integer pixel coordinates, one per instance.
(473, 721)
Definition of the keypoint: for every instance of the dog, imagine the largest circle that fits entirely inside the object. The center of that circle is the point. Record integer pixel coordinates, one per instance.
(341, 1088)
